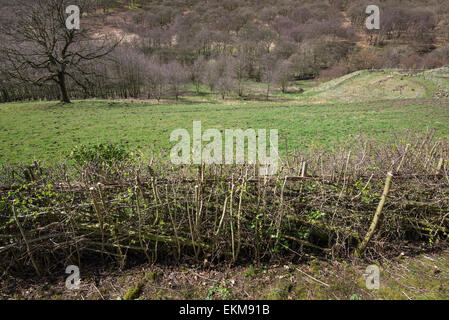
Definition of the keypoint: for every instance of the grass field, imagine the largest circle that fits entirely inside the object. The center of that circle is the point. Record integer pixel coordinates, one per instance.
(320, 117)
(326, 115)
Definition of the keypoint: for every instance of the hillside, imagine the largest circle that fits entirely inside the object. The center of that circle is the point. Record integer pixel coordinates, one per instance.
(384, 84)
(166, 45)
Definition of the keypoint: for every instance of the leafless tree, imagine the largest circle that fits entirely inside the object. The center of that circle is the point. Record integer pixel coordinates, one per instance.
(239, 68)
(4, 95)
(129, 71)
(283, 74)
(195, 72)
(176, 78)
(41, 49)
(268, 71)
(305, 61)
(209, 75)
(156, 80)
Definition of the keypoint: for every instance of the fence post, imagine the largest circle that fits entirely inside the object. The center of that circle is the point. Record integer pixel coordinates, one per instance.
(362, 246)
(440, 165)
(304, 169)
(402, 158)
(27, 245)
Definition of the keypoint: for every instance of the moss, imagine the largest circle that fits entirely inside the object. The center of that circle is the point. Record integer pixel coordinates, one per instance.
(160, 294)
(361, 282)
(154, 276)
(282, 290)
(134, 292)
(300, 292)
(274, 294)
(193, 293)
(390, 293)
(58, 296)
(315, 265)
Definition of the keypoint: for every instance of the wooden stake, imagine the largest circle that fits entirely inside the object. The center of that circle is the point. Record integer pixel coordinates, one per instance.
(402, 159)
(22, 232)
(362, 246)
(304, 169)
(440, 165)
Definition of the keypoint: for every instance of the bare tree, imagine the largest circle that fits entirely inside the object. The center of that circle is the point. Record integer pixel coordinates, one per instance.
(176, 78)
(129, 71)
(209, 75)
(305, 62)
(268, 71)
(41, 49)
(4, 95)
(240, 70)
(156, 80)
(283, 74)
(195, 72)
(225, 82)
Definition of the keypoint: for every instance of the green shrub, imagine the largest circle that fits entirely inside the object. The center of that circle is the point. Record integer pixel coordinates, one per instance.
(99, 154)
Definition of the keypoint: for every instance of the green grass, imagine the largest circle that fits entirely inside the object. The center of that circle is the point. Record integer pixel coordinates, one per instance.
(364, 85)
(48, 131)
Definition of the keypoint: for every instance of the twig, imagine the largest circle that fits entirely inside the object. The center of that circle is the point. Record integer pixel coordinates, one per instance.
(314, 279)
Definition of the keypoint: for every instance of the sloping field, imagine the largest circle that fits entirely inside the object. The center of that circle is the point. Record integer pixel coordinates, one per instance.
(384, 84)
(386, 102)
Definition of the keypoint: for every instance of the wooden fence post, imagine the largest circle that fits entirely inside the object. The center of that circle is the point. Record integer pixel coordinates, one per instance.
(304, 169)
(440, 165)
(27, 245)
(402, 158)
(362, 246)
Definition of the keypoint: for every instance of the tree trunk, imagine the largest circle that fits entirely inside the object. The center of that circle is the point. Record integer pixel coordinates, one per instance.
(284, 88)
(62, 86)
(5, 95)
(197, 84)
